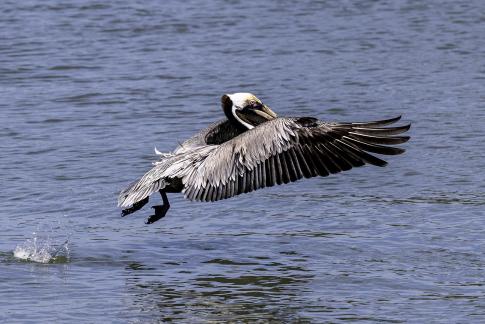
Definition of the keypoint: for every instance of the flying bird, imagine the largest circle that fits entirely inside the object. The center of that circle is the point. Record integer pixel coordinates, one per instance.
(253, 148)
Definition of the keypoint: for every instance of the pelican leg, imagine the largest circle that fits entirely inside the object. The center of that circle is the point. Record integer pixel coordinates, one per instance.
(136, 206)
(160, 211)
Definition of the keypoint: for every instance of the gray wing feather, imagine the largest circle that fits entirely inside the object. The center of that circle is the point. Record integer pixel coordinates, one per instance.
(287, 149)
(175, 166)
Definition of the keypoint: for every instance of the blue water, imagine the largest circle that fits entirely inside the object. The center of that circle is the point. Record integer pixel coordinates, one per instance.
(89, 88)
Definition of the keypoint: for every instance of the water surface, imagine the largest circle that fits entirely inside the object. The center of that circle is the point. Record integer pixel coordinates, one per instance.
(90, 88)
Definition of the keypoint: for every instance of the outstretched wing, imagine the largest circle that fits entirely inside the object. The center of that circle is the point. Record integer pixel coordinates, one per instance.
(287, 149)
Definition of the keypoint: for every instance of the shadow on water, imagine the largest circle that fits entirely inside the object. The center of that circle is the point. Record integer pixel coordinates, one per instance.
(232, 291)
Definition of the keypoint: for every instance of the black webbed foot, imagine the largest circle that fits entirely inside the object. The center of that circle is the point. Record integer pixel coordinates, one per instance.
(160, 210)
(136, 206)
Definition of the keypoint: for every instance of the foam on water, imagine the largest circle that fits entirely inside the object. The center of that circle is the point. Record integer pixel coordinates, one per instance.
(42, 250)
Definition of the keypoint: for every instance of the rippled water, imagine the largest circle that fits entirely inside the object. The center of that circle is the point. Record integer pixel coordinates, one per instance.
(89, 88)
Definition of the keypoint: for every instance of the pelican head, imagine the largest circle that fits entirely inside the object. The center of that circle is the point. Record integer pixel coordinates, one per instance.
(246, 109)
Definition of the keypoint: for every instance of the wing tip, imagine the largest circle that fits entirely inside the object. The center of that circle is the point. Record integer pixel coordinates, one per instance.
(382, 164)
(381, 122)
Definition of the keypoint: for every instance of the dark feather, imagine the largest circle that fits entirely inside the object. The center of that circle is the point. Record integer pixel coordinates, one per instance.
(383, 122)
(364, 155)
(386, 140)
(381, 131)
(374, 148)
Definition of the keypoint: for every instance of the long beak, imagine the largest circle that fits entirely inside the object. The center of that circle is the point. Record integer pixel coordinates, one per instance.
(267, 110)
(255, 116)
(266, 113)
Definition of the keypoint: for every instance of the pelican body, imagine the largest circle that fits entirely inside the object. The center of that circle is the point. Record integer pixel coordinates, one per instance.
(253, 148)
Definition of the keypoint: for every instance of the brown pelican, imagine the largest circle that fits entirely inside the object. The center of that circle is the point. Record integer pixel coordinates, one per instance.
(253, 148)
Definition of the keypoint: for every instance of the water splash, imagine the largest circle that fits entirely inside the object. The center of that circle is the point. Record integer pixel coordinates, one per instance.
(43, 250)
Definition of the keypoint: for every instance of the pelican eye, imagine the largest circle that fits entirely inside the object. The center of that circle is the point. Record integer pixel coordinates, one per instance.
(255, 105)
